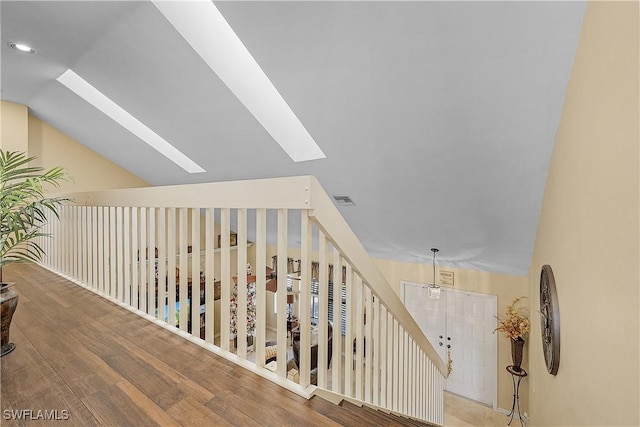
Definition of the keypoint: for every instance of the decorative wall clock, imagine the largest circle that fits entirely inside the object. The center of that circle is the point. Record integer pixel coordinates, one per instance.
(549, 320)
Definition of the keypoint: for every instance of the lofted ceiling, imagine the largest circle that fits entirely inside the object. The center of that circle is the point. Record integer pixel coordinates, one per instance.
(437, 118)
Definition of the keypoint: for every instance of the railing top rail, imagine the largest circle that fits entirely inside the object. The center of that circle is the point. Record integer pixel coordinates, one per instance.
(289, 193)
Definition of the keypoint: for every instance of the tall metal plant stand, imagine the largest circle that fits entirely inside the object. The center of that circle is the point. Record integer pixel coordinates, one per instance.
(516, 377)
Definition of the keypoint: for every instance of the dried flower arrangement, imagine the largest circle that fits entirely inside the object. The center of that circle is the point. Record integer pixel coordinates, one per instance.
(515, 323)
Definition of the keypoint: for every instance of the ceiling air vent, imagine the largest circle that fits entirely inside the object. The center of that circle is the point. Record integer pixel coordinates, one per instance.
(343, 201)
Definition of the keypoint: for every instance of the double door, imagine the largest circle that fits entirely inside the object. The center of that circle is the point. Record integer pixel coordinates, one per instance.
(460, 327)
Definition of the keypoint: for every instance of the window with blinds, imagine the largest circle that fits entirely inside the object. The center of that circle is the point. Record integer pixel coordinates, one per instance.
(314, 293)
(315, 304)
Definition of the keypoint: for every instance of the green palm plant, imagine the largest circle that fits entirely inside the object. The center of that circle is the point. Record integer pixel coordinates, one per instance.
(23, 207)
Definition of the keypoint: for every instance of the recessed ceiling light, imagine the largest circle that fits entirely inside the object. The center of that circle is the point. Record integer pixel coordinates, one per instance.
(202, 25)
(99, 100)
(22, 47)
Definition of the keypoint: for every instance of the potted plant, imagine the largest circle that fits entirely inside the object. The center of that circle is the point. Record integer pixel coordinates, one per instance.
(23, 208)
(515, 324)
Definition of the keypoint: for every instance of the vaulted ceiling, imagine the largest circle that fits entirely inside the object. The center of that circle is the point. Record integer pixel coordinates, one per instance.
(437, 118)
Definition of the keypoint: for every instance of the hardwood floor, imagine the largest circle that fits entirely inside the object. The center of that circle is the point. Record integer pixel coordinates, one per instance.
(88, 362)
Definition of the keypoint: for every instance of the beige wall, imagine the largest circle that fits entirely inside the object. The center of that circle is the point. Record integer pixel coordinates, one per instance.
(21, 131)
(14, 122)
(89, 170)
(589, 233)
(505, 287)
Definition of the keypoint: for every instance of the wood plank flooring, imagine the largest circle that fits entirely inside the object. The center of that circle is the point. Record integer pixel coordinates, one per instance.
(106, 366)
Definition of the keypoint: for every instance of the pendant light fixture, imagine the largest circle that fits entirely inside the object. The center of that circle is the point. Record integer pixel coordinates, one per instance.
(434, 288)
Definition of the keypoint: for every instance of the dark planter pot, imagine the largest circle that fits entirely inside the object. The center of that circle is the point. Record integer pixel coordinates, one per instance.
(517, 347)
(8, 304)
(249, 341)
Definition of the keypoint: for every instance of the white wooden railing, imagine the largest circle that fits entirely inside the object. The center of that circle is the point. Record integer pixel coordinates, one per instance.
(107, 241)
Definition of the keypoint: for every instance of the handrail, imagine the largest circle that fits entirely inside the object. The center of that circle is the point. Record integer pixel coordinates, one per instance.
(293, 194)
(334, 225)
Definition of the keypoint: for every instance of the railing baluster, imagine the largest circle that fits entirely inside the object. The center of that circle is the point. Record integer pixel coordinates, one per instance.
(423, 384)
(368, 344)
(336, 359)
(225, 266)
(144, 259)
(348, 338)
(94, 246)
(261, 283)
(82, 243)
(167, 282)
(241, 299)
(401, 369)
(161, 275)
(112, 246)
(195, 273)
(120, 253)
(359, 334)
(59, 262)
(390, 360)
(323, 312)
(406, 398)
(51, 222)
(396, 365)
(413, 391)
(209, 276)
(183, 275)
(126, 264)
(382, 349)
(306, 238)
(61, 246)
(101, 249)
(85, 224)
(152, 263)
(50, 250)
(66, 247)
(69, 242)
(281, 319)
(72, 242)
(375, 348)
(132, 264)
(76, 242)
(418, 382)
(409, 373)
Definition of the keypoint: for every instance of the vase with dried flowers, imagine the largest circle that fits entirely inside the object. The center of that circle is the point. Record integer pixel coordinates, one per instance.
(514, 324)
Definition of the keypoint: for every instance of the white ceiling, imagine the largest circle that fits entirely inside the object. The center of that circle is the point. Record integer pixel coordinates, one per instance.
(437, 118)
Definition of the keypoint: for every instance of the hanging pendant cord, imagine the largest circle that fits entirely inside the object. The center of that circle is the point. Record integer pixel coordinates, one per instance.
(434, 250)
(434, 267)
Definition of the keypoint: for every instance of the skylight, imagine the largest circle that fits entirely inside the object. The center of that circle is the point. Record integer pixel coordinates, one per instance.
(202, 25)
(96, 98)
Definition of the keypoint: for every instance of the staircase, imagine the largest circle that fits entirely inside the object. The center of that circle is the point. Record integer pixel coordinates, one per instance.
(151, 249)
(350, 415)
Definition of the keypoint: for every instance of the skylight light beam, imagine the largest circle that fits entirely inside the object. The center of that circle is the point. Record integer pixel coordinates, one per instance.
(202, 25)
(96, 98)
